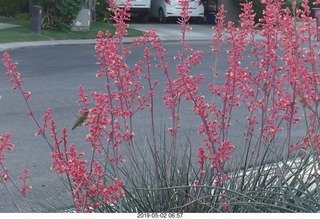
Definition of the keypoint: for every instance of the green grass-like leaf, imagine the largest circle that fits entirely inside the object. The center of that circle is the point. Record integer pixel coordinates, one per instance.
(157, 182)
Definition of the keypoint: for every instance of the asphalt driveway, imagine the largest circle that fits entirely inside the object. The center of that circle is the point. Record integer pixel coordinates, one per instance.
(171, 31)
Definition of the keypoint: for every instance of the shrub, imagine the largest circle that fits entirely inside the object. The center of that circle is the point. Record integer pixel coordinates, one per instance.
(59, 14)
(9, 8)
(102, 12)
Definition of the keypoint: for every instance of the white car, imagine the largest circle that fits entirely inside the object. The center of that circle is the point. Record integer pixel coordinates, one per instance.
(164, 9)
(140, 8)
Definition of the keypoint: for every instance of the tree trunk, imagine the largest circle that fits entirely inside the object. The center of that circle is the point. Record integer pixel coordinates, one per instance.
(91, 5)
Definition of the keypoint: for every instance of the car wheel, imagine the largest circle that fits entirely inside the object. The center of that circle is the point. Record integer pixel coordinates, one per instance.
(162, 17)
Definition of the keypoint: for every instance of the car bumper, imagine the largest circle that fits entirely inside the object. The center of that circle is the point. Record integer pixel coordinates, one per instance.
(195, 12)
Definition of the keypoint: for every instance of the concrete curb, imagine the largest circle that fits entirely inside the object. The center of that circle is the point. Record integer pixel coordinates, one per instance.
(10, 46)
(17, 45)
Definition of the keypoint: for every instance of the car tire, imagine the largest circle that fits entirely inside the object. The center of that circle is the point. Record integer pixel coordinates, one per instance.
(162, 17)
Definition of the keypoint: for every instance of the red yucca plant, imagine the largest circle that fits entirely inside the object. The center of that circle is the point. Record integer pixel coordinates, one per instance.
(272, 79)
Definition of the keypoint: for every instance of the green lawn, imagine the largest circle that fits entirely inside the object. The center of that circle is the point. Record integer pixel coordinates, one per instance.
(23, 33)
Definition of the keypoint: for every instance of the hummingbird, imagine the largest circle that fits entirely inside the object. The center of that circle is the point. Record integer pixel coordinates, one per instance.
(80, 119)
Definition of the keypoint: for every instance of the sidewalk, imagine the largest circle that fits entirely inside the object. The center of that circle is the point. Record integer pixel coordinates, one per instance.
(4, 25)
(9, 46)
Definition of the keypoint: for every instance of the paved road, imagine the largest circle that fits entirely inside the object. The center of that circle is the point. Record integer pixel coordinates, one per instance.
(53, 74)
(171, 31)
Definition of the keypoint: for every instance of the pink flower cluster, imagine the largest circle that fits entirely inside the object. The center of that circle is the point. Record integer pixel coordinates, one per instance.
(88, 187)
(15, 79)
(5, 145)
(111, 116)
(5, 139)
(282, 87)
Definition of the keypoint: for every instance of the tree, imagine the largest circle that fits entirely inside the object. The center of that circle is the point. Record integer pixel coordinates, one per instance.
(91, 5)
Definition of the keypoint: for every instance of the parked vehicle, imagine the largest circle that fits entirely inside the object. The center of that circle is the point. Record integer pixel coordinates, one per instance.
(140, 8)
(164, 9)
